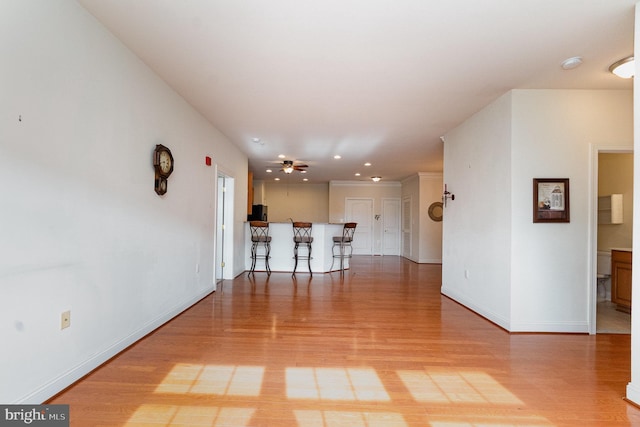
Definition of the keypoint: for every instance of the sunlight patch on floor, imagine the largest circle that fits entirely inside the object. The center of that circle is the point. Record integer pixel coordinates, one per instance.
(350, 419)
(508, 422)
(222, 380)
(170, 415)
(353, 384)
(466, 390)
(456, 387)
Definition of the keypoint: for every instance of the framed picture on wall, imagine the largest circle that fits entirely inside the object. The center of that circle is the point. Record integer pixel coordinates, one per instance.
(551, 200)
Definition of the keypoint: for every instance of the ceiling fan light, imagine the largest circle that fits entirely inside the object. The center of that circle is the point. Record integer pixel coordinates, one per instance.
(624, 68)
(287, 166)
(376, 178)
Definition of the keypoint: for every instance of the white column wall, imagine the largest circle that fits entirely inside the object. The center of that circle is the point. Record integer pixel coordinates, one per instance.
(633, 388)
(553, 132)
(476, 248)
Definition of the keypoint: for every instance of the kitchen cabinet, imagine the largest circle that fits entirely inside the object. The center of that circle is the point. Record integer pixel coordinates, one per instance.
(621, 279)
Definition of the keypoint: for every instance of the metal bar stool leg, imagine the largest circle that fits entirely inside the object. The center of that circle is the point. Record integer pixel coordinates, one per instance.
(253, 257)
(267, 251)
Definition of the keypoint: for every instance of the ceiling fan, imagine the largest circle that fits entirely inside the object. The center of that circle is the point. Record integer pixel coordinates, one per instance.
(289, 167)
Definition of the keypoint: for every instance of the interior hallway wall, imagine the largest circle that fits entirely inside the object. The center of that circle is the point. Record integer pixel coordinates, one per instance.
(522, 275)
(82, 228)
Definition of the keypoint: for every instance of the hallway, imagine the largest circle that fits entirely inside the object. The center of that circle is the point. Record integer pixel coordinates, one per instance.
(380, 348)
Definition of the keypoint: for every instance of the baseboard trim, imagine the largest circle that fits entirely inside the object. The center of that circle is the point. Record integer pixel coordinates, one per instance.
(515, 327)
(50, 389)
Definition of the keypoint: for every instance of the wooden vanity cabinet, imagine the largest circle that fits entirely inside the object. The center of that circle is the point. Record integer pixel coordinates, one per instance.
(621, 279)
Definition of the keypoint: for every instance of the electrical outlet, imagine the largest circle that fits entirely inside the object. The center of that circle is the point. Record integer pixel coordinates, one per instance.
(65, 320)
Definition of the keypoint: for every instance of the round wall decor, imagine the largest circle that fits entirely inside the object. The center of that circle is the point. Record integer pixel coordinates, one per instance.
(436, 211)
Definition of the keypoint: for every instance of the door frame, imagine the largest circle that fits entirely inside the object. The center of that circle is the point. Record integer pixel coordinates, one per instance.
(406, 237)
(593, 228)
(224, 234)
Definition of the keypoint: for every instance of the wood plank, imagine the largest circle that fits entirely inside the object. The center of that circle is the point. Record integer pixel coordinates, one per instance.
(381, 347)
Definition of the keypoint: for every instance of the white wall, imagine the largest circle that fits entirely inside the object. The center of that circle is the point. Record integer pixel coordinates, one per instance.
(301, 202)
(553, 132)
(430, 241)
(633, 388)
(423, 189)
(526, 276)
(82, 228)
(339, 191)
(477, 224)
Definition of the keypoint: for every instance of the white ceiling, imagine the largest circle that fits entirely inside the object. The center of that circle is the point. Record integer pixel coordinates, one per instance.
(371, 80)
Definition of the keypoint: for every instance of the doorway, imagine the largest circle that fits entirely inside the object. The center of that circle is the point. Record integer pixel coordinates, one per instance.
(224, 233)
(612, 170)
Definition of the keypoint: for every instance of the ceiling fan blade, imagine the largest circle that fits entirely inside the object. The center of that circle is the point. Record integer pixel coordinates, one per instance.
(300, 167)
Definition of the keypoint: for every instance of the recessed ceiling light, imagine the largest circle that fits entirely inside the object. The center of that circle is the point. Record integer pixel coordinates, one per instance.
(303, 171)
(367, 164)
(337, 156)
(571, 63)
(281, 156)
(269, 171)
(276, 179)
(305, 179)
(357, 174)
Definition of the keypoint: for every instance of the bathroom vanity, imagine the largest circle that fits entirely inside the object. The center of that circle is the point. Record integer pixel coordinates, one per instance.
(621, 278)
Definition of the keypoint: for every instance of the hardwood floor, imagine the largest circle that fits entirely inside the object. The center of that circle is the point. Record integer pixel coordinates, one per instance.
(380, 348)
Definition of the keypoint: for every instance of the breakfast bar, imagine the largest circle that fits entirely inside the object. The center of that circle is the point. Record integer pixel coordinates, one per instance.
(281, 256)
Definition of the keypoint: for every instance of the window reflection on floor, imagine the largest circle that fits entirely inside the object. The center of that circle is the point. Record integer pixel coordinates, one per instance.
(335, 384)
(462, 393)
(219, 380)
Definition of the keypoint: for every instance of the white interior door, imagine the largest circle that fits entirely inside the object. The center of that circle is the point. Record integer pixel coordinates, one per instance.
(390, 226)
(406, 227)
(224, 228)
(220, 220)
(361, 211)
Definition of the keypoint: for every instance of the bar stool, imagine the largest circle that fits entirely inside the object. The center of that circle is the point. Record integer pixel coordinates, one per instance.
(260, 237)
(302, 237)
(342, 243)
